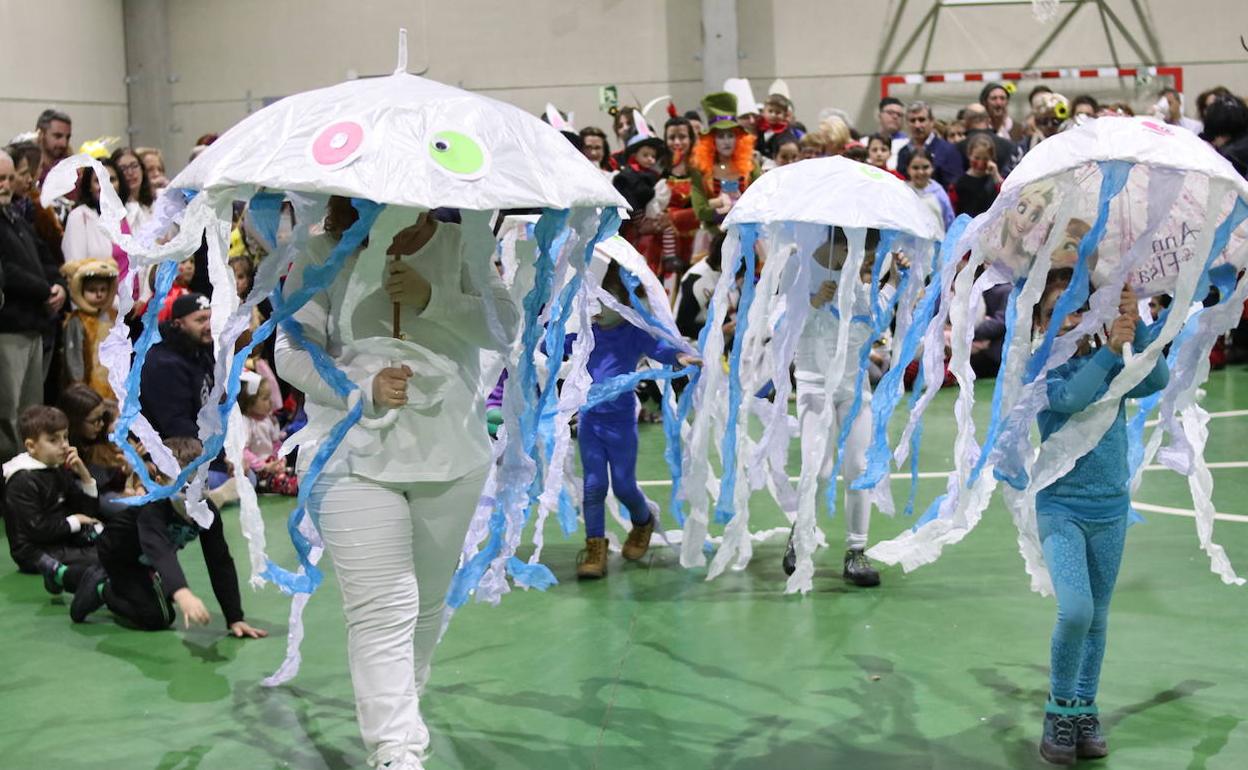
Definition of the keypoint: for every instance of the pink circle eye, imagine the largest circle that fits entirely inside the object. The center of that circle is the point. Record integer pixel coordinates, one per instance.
(337, 144)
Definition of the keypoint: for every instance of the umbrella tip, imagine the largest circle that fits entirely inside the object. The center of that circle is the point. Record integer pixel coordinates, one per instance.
(401, 67)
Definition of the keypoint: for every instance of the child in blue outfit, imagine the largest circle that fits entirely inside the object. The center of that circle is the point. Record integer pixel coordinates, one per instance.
(607, 433)
(1082, 522)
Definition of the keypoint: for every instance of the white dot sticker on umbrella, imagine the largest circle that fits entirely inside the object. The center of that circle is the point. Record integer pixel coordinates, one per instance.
(338, 144)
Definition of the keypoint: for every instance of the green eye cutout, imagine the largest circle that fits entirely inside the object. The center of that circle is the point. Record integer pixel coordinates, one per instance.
(871, 172)
(458, 153)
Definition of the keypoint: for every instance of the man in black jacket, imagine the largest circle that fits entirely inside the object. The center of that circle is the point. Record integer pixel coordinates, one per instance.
(31, 297)
(178, 373)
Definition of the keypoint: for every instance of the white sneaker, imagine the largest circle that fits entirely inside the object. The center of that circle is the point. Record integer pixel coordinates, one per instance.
(408, 761)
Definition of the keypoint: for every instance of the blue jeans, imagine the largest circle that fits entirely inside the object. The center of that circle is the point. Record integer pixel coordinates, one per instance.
(1083, 556)
(609, 449)
(217, 478)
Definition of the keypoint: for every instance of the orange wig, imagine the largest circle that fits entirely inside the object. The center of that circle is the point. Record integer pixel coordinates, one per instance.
(704, 154)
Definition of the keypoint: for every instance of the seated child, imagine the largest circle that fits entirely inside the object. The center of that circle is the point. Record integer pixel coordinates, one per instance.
(90, 418)
(264, 438)
(139, 577)
(51, 502)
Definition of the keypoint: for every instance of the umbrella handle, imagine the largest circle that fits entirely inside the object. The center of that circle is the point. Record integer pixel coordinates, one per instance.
(395, 313)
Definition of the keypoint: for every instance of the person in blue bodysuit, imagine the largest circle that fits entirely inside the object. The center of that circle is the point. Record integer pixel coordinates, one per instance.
(607, 433)
(1082, 522)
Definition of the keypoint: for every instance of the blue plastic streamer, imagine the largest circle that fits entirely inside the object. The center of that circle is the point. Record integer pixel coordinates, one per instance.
(879, 320)
(725, 506)
(316, 279)
(131, 407)
(889, 390)
(569, 516)
(528, 575)
(601, 392)
(638, 303)
(930, 514)
(1114, 175)
(673, 420)
(549, 231)
(995, 423)
(916, 440)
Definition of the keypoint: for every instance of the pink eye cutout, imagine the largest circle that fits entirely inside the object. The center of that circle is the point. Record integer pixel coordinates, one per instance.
(338, 144)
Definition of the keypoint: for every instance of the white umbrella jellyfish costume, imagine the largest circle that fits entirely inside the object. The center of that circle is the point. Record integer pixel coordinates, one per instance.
(396, 146)
(1123, 201)
(791, 211)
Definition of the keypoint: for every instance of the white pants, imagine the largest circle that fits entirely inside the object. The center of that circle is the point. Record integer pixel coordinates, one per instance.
(810, 403)
(394, 548)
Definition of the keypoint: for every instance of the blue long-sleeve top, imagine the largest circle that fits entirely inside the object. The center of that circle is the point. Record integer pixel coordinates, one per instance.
(1098, 486)
(618, 350)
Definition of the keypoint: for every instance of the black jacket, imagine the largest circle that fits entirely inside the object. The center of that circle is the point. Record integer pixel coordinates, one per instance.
(176, 380)
(28, 277)
(1006, 152)
(1236, 151)
(37, 503)
(637, 187)
(153, 534)
(986, 363)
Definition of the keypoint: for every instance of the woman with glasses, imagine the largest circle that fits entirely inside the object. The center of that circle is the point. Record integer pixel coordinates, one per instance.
(139, 202)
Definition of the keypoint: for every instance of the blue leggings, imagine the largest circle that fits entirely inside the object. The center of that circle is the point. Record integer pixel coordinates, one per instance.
(1083, 556)
(609, 447)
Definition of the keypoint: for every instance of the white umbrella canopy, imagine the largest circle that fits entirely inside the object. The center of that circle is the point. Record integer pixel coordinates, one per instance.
(1059, 184)
(402, 140)
(1137, 140)
(834, 191)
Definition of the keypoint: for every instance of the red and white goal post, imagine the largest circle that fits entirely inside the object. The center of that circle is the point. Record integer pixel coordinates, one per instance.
(949, 92)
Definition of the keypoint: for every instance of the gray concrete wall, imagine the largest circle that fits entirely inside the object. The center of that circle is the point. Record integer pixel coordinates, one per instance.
(67, 54)
(228, 56)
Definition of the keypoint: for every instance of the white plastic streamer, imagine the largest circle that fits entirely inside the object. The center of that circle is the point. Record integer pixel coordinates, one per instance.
(804, 537)
(709, 411)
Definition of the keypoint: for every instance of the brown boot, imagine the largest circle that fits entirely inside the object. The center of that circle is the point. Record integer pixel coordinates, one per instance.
(591, 564)
(638, 541)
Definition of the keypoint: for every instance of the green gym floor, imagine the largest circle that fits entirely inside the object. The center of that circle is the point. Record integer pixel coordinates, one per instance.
(654, 667)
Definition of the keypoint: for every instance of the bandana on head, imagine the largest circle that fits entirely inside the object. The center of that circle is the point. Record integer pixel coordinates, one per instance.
(189, 303)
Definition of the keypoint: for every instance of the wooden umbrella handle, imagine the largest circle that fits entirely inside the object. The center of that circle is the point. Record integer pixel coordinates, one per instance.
(396, 314)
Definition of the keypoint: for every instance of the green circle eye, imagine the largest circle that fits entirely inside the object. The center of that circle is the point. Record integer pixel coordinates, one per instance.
(871, 172)
(458, 153)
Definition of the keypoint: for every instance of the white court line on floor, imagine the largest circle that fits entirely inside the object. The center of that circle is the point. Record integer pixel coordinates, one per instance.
(1214, 415)
(1146, 507)
(1227, 465)
(1150, 508)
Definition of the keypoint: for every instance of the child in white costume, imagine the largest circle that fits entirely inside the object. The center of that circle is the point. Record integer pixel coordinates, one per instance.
(816, 347)
(394, 520)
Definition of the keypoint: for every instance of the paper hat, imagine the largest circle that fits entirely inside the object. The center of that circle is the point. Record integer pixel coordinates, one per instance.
(740, 88)
(778, 86)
